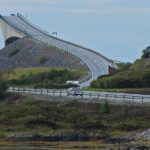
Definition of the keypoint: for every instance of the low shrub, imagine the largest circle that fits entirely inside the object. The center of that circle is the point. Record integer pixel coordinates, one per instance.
(14, 52)
(105, 108)
(54, 85)
(3, 87)
(53, 78)
(91, 125)
(42, 60)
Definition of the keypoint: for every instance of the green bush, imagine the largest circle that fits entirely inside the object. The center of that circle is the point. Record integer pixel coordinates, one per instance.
(146, 54)
(2, 134)
(127, 126)
(105, 108)
(54, 85)
(14, 52)
(89, 125)
(3, 87)
(132, 78)
(42, 60)
(124, 66)
(55, 78)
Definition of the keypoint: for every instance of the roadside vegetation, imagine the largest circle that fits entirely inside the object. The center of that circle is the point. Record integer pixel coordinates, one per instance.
(129, 76)
(41, 77)
(42, 59)
(3, 88)
(145, 91)
(24, 115)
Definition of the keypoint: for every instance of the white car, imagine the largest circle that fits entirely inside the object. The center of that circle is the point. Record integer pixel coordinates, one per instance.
(75, 91)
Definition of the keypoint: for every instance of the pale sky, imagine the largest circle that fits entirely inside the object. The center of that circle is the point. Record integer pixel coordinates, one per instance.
(118, 29)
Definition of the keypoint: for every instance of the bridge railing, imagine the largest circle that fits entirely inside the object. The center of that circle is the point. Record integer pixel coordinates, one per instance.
(87, 96)
(65, 45)
(64, 41)
(89, 76)
(46, 33)
(48, 43)
(31, 24)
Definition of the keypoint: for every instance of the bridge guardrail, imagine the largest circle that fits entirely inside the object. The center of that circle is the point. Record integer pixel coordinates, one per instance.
(31, 24)
(64, 45)
(92, 97)
(50, 44)
(67, 50)
(46, 33)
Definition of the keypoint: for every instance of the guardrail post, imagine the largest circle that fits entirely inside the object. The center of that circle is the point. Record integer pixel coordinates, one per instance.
(124, 96)
(35, 91)
(18, 89)
(29, 90)
(106, 96)
(132, 99)
(142, 99)
(13, 89)
(47, 91)
(90, 95)
(60, 93)
(115, 97)
(82, 95)
(53, 92)
(98, 95)
(41, 91)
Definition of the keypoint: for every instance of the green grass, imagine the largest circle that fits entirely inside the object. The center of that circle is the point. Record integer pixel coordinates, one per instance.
(134, 76)
(125, 90)
(20, 114)
(101, 90)
(41, 77)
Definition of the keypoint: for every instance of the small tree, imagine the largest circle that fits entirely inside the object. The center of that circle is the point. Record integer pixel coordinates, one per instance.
(146, 53)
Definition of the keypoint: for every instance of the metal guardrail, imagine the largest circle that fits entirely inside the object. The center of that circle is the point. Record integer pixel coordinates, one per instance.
(96, 97)
(31, 24)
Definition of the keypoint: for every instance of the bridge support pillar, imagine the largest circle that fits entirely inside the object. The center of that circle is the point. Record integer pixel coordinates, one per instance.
(9, 33)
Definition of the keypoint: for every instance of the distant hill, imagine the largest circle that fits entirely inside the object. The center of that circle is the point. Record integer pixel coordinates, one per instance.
(26, 52)
(134, 76)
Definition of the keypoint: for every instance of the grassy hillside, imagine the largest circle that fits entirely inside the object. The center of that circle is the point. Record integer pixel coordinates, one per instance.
(24, 115)
(136, 76)
(41, 77)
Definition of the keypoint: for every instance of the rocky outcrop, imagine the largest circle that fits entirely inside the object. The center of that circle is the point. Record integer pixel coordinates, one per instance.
(26, 52)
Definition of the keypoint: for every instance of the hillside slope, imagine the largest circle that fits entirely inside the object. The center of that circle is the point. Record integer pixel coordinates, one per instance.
(26, 52)
(26, 116)
(136, 76)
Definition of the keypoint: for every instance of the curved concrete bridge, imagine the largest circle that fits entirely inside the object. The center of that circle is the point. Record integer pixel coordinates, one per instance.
(17, 26)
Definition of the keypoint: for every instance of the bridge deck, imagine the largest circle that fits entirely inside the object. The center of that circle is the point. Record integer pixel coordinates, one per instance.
(97, 63)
